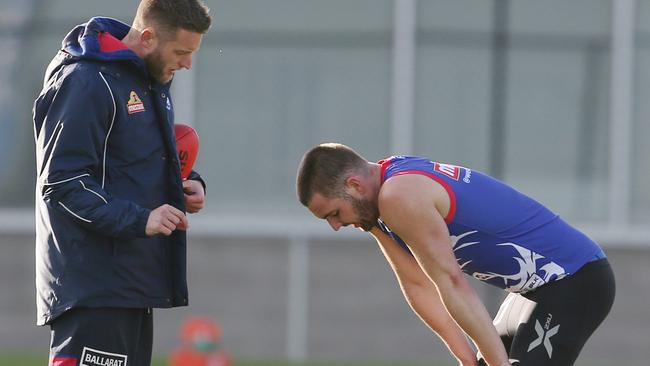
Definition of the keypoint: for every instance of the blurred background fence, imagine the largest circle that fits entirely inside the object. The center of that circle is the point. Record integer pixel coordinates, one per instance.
(549, 96)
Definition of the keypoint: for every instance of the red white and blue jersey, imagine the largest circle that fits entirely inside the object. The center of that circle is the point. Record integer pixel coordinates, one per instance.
(499, 235)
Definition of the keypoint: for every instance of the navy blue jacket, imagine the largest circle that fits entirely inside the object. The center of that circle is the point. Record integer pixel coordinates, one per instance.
(106, 157)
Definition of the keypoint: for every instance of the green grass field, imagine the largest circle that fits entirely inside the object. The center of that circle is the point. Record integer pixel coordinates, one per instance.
(41, 360)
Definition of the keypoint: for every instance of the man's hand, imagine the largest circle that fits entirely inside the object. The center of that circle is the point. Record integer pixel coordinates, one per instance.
(481, 362)
(194, 195)
(165, 219)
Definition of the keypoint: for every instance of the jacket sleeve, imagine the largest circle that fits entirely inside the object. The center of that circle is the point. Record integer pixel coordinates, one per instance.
(72, 125)
(197, 177)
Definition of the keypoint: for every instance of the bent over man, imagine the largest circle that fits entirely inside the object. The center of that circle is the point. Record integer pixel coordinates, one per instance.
(434, 221)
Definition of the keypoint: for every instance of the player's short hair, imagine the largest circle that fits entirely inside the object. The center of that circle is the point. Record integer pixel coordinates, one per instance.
(170, 15)
(324, 168)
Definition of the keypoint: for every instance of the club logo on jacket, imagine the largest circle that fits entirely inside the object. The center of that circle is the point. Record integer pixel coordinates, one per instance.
(134, 105)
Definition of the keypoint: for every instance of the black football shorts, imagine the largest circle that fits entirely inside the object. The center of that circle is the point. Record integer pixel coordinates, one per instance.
(102, 337)
(550, 325)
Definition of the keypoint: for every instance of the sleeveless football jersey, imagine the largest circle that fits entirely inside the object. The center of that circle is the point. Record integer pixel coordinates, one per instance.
(499, 235)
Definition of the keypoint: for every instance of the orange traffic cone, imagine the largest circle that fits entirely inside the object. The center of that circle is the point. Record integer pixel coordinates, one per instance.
(201, 345)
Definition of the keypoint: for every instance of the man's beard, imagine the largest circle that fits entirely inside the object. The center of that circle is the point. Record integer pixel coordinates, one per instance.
(367, 211)
(155, 66)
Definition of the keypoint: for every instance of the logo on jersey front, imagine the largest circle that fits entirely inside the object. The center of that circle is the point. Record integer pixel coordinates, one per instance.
(452, 171)
(544, 335)
(527, 271)
(93, 357)
(134, 105)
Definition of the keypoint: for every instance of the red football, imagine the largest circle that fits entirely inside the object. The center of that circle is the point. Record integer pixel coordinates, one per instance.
(187, 145)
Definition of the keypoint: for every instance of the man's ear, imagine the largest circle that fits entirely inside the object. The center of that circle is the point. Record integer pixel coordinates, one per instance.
(148, 39)
(353, 183)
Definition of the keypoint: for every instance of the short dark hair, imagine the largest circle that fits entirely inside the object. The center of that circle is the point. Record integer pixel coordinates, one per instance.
(170, 15)
(324, 168)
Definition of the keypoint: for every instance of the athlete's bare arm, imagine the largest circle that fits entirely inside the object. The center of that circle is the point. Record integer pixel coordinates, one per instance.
(422, 295)
(409, 204)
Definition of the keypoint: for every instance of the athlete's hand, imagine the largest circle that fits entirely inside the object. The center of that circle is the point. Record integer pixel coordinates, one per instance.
(481, 362)
(165, 219)
(194, 195)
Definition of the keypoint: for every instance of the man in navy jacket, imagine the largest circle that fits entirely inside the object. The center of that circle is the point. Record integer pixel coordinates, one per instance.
(110, 202)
